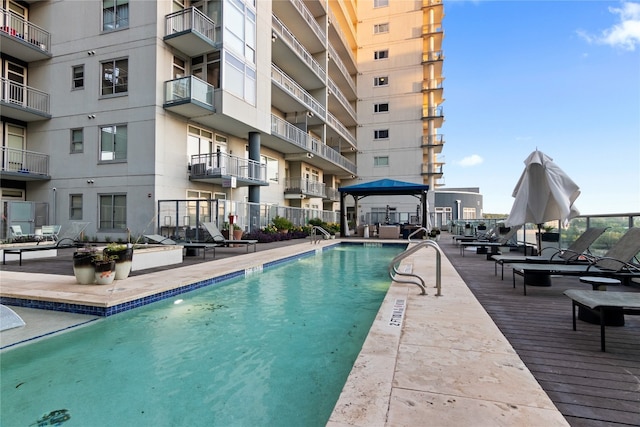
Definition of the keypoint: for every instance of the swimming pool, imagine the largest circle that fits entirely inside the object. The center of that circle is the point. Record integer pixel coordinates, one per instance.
(274, 348)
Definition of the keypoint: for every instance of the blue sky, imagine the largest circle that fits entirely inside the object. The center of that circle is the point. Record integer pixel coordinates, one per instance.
(559, 76)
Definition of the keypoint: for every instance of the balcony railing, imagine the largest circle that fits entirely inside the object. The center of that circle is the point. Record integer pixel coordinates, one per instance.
(333, 89)
(19, 95)
(432, 168)
(285, 130)
(287, 84)
(333, 56)
(23, 161)
(433, 55)
(226, 165)
(188, 89)
(16, 26)
(332, 194)
(190, 19)
(431, 28)
(341, 129)
(304, 186)
(432, 140)
(432, 112)
(311, 21)
(295, 45)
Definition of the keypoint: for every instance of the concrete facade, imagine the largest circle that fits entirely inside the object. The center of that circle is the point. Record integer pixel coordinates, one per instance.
(185, 84)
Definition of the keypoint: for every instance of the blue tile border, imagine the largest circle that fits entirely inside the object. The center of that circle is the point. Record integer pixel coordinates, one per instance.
(129, 305)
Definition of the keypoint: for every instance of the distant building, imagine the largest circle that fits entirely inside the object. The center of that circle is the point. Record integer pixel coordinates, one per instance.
(455, 204)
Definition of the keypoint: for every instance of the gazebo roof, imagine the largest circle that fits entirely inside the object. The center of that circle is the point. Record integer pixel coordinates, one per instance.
(384, 187)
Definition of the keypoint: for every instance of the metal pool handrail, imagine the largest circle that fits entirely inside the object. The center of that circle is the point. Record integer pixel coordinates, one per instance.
(393, 267)
(426, 232)
(313, 234)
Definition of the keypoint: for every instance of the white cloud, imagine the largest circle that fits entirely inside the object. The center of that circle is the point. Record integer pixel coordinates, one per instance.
(471, 160)
(625, 34)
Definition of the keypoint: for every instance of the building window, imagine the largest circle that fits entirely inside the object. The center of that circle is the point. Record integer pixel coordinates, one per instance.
(178, 68)
(468, 213)
(381, 54)
(113, 212)
(381, 108)
(77, 77)
(381, 161)
(77, 141)
(381, 134)
(75, 207)
(380, 81)
(115, 14)
(113, 143)
(380, 3)
(240, 78)
(115, 76)
(381, 28)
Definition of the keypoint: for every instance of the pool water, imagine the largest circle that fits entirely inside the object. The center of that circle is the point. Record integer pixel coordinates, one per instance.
(272, 349)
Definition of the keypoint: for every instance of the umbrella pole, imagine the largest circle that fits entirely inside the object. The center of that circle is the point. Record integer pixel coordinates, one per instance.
(539, 239)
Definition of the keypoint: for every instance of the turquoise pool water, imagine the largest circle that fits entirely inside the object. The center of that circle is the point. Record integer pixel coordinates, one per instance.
(272, 349)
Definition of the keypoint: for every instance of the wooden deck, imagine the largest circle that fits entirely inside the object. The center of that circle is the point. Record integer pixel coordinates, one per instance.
(589, 387)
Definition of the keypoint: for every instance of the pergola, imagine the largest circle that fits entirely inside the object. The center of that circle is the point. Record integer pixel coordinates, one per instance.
(382, 187)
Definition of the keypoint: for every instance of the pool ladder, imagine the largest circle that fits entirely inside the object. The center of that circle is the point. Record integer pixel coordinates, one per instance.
(395, 263)
(315, 238)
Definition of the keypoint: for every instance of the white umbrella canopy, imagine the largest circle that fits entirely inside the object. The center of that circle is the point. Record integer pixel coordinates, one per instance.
(543, 193)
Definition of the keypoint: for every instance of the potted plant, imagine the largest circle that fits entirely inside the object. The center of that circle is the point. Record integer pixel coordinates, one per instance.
(549, 234)
(482, 226)
(435, 233)
(83, 268)
(237, 232)
(283, 225)
(122, 253)
(225, 230)
(105, 268)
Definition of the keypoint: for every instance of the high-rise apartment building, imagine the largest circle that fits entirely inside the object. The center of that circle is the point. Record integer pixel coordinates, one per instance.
(109, 106)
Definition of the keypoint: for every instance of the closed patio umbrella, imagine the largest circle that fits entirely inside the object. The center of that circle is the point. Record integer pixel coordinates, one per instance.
(543, 193)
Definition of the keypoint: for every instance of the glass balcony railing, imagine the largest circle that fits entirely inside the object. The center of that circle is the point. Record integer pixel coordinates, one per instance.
(304, 186)
(279, 28)
(188, 89)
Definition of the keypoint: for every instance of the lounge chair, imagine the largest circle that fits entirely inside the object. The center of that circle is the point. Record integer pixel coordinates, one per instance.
(68, 239)
(50, 232)
(571, 254)
(617, 263)
(16, 232)
(217, 237)
(503, 240)
(602, 303)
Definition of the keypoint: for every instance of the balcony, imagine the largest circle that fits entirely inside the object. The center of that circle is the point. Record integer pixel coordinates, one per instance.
(294, 58)
(342, 109)
(290, 90)
(23, 39)
(23, 165)
(221, 168)
(434, 87)
(301, 188)
(24, 103)
(297, 17)
(188, 96)
(331, 194)
(435, 114)
(433, 58)
(432, 169)
(190, 31)
(433, 141)
(310, 148)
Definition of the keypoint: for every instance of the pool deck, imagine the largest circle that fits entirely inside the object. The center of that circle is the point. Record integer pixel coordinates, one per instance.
(447, 361)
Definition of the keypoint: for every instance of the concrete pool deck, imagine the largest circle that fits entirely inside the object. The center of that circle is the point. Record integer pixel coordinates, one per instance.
(446, 362)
